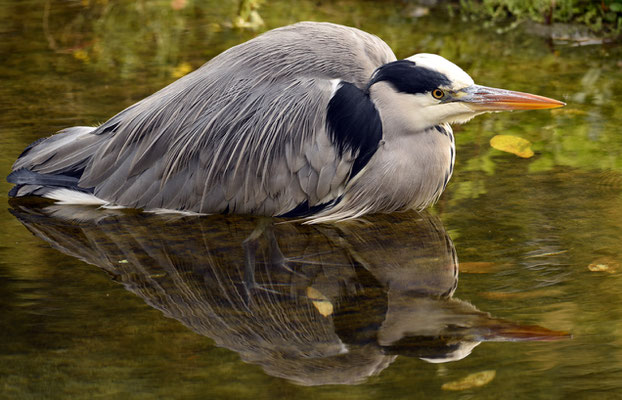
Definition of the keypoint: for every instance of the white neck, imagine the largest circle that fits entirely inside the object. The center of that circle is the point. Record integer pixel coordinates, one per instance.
(409, 170)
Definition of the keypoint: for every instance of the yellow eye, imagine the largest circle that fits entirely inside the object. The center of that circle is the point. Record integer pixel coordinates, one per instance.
(438, 94)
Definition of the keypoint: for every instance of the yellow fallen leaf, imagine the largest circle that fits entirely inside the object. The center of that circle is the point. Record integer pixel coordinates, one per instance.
(81, 55)
(598, 267)
(320, 302)
(181, 70)
(512, 144)
(471, 381)
(604, 264)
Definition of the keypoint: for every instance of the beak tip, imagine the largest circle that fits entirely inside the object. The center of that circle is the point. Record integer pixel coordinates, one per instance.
(556, 104)
(534, 102)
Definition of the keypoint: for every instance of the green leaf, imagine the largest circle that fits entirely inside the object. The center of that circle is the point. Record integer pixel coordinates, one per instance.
(615, 7)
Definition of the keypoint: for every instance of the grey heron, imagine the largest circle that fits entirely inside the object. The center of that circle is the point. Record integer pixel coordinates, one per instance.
(312, 120)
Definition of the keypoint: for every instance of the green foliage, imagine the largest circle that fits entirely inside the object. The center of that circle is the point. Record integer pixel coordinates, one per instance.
(604, 17)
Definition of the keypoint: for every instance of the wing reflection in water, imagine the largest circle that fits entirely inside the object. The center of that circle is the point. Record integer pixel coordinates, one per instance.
(311, 304)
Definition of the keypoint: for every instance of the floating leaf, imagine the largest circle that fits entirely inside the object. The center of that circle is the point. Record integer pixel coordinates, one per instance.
(604, 265)
(471, 381)
(321, 302)
(512, 144)
(81, 55)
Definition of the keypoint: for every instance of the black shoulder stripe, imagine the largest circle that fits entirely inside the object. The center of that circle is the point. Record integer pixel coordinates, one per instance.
(408, 77)
(304, 210)
(354, 123)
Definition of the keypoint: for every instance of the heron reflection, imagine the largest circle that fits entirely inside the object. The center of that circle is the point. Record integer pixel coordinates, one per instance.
(329, 304)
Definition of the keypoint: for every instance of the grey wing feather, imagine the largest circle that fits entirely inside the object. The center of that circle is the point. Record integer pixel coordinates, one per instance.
(245, 133)
(66, 151)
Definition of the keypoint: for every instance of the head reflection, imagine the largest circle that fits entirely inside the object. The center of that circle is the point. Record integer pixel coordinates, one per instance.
(315, 305)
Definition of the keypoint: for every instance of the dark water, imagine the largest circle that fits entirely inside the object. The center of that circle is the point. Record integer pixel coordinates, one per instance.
(111, 304)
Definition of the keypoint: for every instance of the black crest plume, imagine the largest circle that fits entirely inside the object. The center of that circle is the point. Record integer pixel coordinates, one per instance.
(408, 77)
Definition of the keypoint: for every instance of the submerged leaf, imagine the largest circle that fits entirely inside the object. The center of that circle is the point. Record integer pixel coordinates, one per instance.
(477, 379)
(512, 144)
(477, 267)
(568, 111)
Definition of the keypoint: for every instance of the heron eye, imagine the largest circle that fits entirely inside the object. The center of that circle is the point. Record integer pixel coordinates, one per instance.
(438, 94)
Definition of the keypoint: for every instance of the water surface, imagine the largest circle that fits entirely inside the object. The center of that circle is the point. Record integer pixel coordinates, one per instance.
(516, 252)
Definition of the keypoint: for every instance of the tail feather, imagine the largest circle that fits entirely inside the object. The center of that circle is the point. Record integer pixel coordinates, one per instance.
(67, 148)
(53, 163)
(23, 178)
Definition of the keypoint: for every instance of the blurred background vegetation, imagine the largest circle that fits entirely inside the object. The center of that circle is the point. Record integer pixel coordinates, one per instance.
(601, 16)
(162, 23)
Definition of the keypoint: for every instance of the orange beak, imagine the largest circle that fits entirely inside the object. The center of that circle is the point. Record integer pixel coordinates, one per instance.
(482, 98)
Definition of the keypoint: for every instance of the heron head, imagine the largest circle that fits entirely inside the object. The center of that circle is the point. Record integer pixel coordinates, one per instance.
(438, 91)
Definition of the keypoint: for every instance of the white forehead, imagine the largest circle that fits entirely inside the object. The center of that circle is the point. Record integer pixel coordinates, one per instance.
(458, 77)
